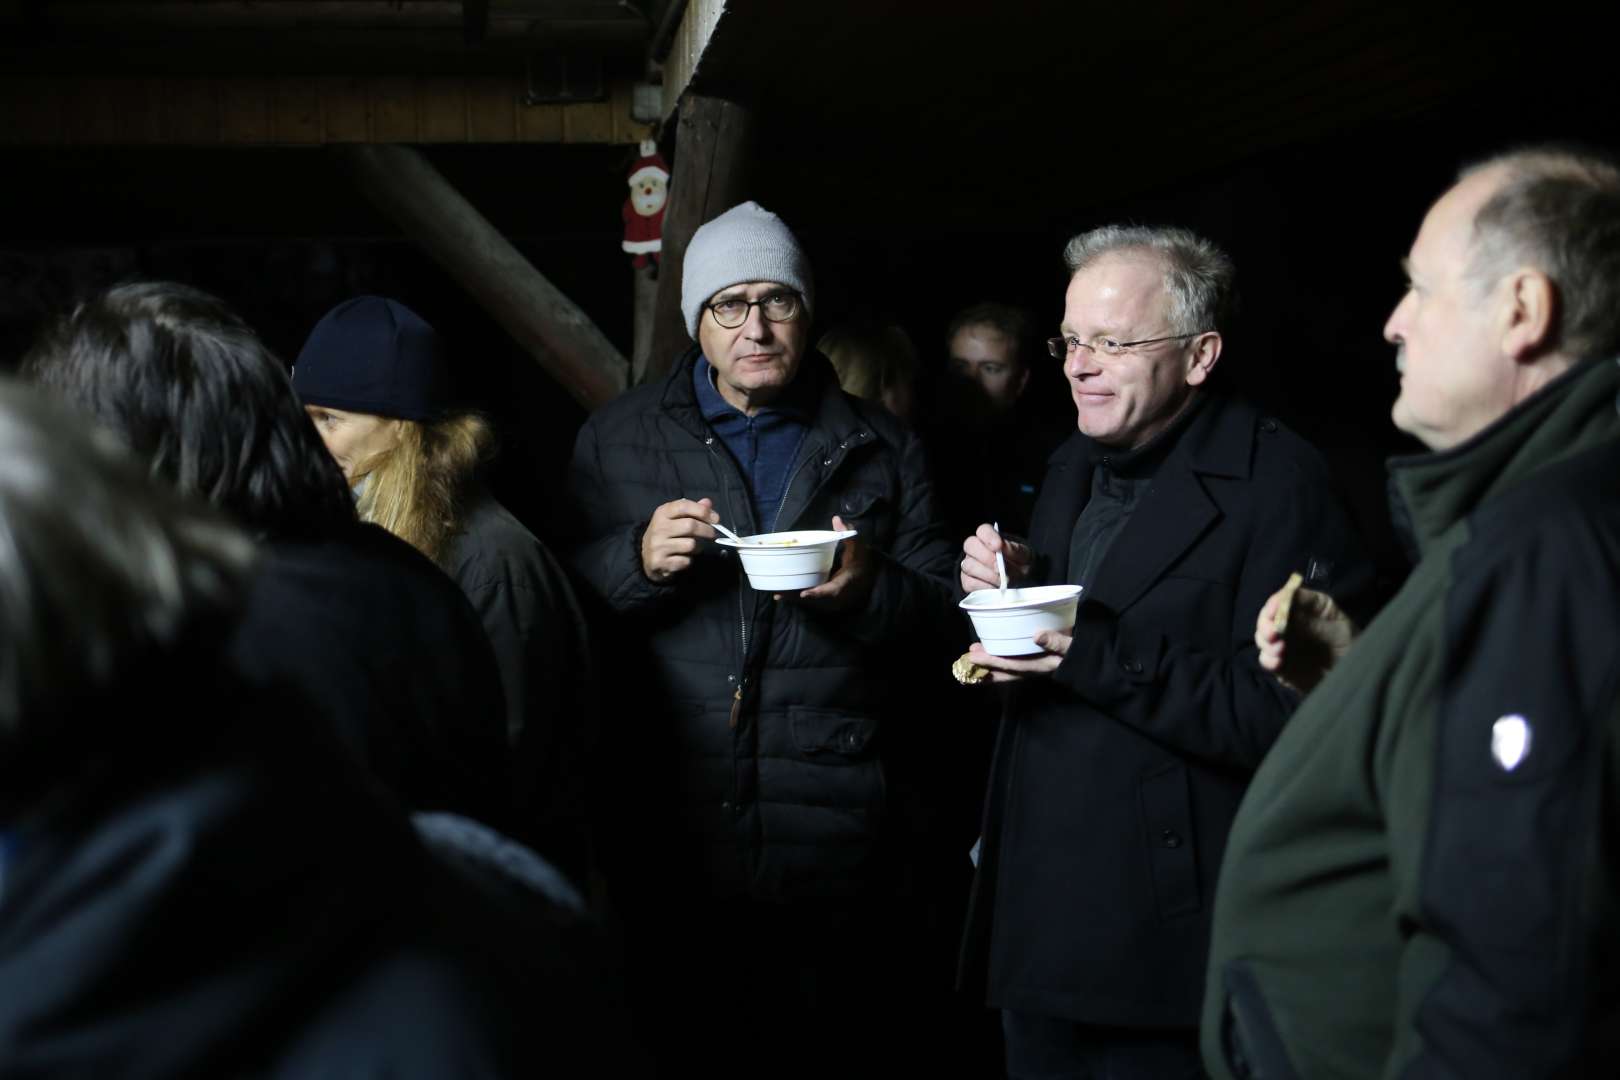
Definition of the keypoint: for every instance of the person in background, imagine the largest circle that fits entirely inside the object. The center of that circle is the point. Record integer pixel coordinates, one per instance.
(1424, 879)
(1127, 742)
(939, 780)
(197, 880)
(362, 627)
(376, 381)
(875, 363)
(988, 446)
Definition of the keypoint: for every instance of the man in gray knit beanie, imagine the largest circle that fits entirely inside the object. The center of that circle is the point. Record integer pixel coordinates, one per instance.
(746, 293)
(756, 853)
(747, 243)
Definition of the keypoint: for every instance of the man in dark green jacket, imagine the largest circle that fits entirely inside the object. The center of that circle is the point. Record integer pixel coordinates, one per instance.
(1424, 878)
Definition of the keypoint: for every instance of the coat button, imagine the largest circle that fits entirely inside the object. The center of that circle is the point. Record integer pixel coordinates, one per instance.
(1132, 667)
(728, 806)
(1170, 838)
(1268, 426)
(851, 741)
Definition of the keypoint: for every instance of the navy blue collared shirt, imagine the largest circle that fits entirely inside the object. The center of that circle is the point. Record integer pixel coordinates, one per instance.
(764, 445)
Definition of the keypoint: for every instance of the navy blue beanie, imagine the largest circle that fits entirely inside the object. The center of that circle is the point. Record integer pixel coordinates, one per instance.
(373, 355)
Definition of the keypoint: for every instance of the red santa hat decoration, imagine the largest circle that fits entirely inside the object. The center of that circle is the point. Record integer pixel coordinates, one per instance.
(643, 211)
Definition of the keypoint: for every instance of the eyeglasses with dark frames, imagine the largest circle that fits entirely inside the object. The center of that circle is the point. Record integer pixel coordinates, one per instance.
(732, 311)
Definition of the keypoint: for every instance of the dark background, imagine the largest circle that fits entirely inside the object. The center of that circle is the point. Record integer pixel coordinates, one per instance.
(1317, 228)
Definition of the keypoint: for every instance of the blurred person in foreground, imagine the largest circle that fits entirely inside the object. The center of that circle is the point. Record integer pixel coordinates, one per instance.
(194, 879)
(366, 630)
(1424, 879)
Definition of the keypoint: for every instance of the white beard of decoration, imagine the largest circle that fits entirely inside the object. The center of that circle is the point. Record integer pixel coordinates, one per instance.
(649, 194)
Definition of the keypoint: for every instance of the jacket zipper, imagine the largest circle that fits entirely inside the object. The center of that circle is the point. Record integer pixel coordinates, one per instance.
(829, 462)
(742, 665)
(788, 487)
(742, 615)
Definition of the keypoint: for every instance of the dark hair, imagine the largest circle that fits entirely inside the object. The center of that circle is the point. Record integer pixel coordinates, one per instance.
(103, 574)
(1557, 209)
(192, 391)
(1013, 323)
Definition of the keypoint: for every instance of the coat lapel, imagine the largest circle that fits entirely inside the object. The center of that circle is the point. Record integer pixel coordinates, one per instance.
(1170, 520)
(1064, 492)
(1178, 510)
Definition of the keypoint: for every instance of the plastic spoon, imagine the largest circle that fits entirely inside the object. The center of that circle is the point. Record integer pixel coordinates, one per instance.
(733, 535)
(1001, 564)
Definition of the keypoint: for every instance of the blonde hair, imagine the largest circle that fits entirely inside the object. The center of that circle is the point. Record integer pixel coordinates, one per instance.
(416, 488)
(869, 359)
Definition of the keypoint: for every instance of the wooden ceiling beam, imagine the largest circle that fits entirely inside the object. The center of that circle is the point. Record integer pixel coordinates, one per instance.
(249, 15)
(550, 328)
(96, 15)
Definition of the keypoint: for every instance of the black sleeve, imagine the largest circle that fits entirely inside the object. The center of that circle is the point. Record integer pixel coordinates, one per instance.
(603, 535)
(914, 587)
(1514, 888)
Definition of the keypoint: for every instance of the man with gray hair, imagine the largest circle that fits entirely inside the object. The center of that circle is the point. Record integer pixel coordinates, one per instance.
(1424, 880)
(749, 842)
(1127, 742)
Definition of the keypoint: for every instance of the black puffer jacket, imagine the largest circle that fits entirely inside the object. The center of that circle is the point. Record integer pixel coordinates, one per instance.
(534, 622)
(748, 732)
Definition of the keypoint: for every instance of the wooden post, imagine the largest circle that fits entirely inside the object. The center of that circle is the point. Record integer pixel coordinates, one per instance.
(551, 328)
(644, 310)
(710, 177)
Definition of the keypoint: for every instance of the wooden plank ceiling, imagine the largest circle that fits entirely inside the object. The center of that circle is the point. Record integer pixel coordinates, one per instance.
(307, 72)
(315, 37)
(889, 106)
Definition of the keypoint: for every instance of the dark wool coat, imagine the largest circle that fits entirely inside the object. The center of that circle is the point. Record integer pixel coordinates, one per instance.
(1116, 779)
(748, 732)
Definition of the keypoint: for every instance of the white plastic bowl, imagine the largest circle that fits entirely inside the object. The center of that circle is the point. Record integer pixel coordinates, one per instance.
(1007, 626)
(787, 561)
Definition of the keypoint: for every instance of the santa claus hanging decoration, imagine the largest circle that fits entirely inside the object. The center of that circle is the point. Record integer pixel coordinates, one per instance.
(644, 210)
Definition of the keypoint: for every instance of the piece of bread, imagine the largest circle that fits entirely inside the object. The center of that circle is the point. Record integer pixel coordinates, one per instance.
(1279, 621)
(967, 672)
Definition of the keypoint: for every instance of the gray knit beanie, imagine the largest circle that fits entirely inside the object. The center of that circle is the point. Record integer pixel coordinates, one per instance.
(746, 243)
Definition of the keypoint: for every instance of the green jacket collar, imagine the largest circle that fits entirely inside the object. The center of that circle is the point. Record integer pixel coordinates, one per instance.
(1430, 493)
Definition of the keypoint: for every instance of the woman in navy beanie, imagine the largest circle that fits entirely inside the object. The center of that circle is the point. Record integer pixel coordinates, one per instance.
(375, 379)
